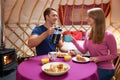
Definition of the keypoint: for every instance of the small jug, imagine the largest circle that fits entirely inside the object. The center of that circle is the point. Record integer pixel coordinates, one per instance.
(52, 55)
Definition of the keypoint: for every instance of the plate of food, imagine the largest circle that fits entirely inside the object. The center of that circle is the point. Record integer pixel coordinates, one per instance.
(61, 54)
(55, 68)
(79, 58)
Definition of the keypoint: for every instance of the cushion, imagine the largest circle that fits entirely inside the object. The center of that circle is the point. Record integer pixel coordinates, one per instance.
(78, 35)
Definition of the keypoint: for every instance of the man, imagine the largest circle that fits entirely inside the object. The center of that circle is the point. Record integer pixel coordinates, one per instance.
(41, 36)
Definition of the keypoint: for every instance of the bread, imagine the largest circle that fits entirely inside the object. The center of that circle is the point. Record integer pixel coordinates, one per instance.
(80, 58)
(59, 54)
(60, 66)
(56, 68)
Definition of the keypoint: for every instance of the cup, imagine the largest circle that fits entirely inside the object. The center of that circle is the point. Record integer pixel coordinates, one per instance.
(67, 38)
(52, 55)
(44, 60)
(67, 57)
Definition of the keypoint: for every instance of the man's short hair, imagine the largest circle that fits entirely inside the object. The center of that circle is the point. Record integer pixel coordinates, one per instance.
(47, 12)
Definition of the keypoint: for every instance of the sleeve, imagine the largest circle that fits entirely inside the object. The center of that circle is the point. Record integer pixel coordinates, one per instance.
(36, 31)
(112, 47)
(81, 48)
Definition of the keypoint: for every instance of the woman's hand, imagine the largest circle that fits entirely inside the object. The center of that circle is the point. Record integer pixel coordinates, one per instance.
(94, 59)
(72, 52)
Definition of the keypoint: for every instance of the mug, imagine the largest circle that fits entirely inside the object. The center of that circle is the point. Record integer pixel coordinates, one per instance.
(67, 38)
(52, 55)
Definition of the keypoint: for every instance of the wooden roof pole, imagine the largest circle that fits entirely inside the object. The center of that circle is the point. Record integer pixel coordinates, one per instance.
(2, 45)
(63, 15)
(41, 13)
(73, 15)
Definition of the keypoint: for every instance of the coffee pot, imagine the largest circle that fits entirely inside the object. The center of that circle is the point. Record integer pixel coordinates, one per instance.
(56, 35)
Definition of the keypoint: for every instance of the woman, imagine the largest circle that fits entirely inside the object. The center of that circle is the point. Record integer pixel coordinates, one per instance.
(100, 43)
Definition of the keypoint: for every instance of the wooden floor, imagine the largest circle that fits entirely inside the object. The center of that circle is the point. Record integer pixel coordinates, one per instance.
(11, 76)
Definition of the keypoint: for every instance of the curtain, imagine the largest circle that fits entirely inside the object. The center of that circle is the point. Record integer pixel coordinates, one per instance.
(76, 14)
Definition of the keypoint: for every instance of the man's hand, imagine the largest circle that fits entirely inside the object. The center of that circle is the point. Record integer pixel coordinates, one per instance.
(50, 31)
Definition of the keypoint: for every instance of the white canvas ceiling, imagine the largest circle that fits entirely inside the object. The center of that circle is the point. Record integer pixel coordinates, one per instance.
(30, 11)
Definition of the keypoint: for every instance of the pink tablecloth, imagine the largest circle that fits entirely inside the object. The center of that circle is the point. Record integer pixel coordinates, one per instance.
(31, 70)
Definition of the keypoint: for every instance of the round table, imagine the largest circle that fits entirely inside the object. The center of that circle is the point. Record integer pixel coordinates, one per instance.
(31, 70)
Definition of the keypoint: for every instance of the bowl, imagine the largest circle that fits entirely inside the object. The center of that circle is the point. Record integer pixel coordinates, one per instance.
(55, 68)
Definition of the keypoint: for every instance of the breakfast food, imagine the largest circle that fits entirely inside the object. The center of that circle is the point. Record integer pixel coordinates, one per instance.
(56, 68)
(59, 54)
(80, 58)
(60, 66)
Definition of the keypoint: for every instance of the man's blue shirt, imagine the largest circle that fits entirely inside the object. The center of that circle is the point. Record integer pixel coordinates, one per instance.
(46, 45)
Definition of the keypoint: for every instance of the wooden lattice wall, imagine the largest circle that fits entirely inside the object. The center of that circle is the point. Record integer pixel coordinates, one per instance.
(21, 16)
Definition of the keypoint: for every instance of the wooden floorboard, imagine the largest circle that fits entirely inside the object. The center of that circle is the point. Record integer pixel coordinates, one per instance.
(11, 76)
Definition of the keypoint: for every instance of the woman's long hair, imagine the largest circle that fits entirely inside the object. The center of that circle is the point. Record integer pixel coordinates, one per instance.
(97, 32)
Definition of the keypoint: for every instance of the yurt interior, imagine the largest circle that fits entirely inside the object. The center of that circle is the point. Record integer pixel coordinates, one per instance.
(19, 17)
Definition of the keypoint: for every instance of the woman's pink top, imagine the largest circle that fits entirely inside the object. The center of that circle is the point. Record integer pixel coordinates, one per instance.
(106, 51)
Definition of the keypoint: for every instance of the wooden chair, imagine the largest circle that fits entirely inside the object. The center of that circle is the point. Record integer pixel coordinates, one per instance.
(117, 69)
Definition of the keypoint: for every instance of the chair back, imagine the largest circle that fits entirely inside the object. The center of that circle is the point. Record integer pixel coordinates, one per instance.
(117, 69)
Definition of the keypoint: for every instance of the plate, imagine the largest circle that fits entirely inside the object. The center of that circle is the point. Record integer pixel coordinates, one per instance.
(86, 58)
(55, 69)
(61, 54)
